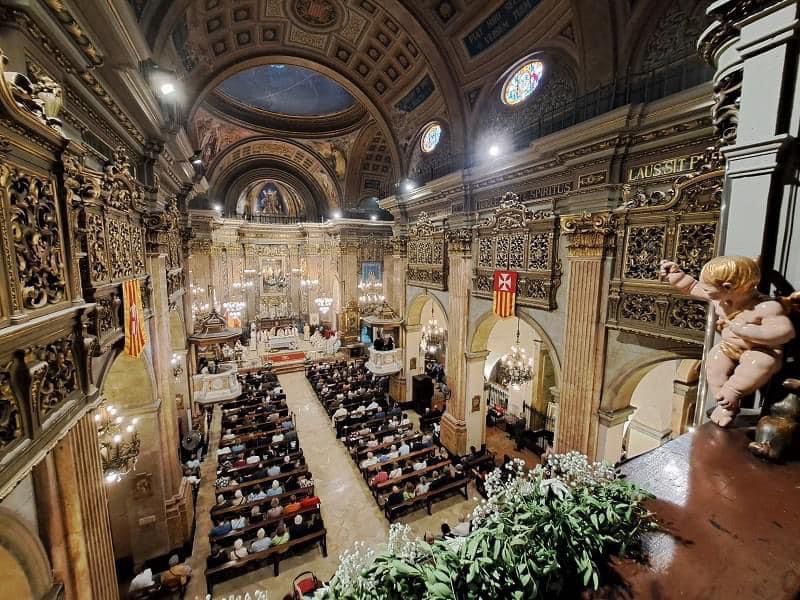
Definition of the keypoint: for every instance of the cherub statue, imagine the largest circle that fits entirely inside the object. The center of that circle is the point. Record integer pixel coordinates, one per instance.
(754, 329)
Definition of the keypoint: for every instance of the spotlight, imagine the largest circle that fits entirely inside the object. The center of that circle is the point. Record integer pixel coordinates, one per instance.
(218, 208)
(196, 159)
(494, 150)
(337, 214)
(373, 217)
(167, 88)
(408, 185)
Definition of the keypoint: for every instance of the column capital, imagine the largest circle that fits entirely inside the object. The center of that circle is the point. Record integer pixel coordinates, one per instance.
(480, 355)
(588, 234)
(459, 241)
(610, 418)
(399, 245)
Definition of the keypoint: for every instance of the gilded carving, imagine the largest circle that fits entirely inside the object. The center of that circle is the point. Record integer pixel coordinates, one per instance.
(644, 251)
(695, 246)
(426, 254)
(636, 307)
(539, 251)
(688, 314)
(54, 376)
(11, 429)
(638, 198)
(35, 235)
(96, 247)
(532, 288)
(459, 240)
(486, 252)
(588, 234)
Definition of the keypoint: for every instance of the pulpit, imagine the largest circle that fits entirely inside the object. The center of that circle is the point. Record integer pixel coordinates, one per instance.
(224, 385)
(385, 362)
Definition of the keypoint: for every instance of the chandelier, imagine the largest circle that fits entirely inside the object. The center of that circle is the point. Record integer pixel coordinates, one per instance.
(432, 335)
(371, 296)
(119, 442)
(516, 366)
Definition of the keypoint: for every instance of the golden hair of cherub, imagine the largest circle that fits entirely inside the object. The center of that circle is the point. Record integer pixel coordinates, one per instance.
(738, 272)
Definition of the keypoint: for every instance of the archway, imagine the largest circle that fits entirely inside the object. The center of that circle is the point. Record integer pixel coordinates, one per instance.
(130, 387)
(527, 414)
(23, 560)
(423, 308)
(659, 397)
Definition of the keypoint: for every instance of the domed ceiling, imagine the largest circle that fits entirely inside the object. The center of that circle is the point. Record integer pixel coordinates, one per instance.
(286, 90)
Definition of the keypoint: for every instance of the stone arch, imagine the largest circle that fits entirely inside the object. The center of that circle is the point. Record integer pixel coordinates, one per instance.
(483, 329)
(415, 307)
(23, 560)
(127, 374)
(617, 393)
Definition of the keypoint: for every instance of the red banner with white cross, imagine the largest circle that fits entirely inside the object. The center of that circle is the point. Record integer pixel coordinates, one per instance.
(504, 293)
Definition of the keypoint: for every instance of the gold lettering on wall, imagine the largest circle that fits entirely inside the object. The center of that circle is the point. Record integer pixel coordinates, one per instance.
(663, 168)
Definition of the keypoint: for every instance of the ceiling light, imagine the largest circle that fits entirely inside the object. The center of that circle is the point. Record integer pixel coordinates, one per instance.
(337, 214)
(167, 88)
(494, 150)
(196, 158)
(409, 185)
(373, 217)
(218, 208)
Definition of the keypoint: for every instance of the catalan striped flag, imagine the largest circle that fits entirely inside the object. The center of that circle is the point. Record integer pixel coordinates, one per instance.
(504, 293)
(134, 318)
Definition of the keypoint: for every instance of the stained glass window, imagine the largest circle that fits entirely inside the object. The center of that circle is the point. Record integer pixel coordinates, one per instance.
(523, 82)
(430, 137)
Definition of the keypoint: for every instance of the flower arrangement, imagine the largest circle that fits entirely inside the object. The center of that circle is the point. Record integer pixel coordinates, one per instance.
(542, 533)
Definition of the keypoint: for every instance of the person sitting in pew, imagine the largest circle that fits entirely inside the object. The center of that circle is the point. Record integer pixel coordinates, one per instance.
(369, 461)
(221, 527)
(238, 498)
(221, 501)
(372, 442)
(278, 437)
(281, 535)
(275, 509)
(239, 550)
(381, 477)
(396, 472)
(340, 413)
(395, 497)
(274, 470)
(229, 435)
(436, 481)
(298, 528)
(217, 557)
(239, 522)
(292, 508)
(256, 495)
(255, 514)
(142, 581)
(252, 459)
(275, 489)
(261, 543)
(403, 449)
(422, 487)
(373, 405)
(408, 492)
(420, 465)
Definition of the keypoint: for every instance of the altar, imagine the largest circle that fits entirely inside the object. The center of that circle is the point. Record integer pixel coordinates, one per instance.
(277, 342)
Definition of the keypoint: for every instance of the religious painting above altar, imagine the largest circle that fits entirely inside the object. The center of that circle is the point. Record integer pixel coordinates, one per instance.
(273, 278)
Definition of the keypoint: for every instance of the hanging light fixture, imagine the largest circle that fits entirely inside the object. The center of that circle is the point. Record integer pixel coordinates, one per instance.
(371, 296)
(516, 366)
(119, 442)
(432, 335)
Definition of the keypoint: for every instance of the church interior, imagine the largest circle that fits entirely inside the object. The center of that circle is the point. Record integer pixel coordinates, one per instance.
(399, 299)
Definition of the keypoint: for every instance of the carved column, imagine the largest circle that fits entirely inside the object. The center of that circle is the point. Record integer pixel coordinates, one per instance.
(348, 276)
(400, 264)
(81, 498)
(475, 409)
(755, 47)
(589, 237)
(454, 425)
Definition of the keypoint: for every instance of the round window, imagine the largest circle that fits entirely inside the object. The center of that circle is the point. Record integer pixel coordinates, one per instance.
(430, 137)
(523, 82)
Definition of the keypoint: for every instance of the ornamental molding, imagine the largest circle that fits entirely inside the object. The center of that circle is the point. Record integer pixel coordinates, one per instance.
(588, 234)
(74, 30)
(727, 14)
(459, 241)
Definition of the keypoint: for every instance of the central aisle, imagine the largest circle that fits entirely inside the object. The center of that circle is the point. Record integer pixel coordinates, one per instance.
(348, 509)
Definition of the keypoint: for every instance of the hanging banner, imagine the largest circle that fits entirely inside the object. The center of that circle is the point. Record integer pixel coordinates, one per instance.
(134, 318)
(504, 293)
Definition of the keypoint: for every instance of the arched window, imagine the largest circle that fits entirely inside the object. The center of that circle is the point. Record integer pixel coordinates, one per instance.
(430, 137)
(523, 82)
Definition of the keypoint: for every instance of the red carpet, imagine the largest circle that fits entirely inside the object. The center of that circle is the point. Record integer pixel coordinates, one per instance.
(286, 357)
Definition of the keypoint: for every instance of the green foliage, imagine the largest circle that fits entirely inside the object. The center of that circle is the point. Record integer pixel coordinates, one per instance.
(540, 534)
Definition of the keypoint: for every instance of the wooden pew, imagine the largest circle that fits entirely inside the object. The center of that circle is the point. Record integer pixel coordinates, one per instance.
(427, 500)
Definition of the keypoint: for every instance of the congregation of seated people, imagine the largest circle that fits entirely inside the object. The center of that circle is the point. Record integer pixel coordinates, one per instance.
(265, 492)
(397, 463)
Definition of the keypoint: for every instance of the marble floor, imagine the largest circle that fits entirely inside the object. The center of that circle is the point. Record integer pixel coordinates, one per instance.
(348, 509)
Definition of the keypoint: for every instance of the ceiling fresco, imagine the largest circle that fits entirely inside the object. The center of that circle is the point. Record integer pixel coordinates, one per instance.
(286, 90)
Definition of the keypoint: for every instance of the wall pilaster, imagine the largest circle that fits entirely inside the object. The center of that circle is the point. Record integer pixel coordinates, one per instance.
(589, 237)
(454, 425)
(84, 506)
